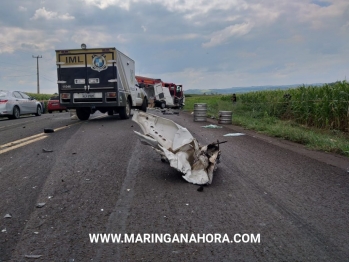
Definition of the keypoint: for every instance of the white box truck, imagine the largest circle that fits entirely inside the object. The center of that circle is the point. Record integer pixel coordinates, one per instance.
(98, 79)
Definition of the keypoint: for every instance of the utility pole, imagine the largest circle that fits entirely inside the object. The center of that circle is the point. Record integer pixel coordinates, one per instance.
(37, 72)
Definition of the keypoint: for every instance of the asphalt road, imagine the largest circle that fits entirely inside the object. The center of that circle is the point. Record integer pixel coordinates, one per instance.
(96, 177)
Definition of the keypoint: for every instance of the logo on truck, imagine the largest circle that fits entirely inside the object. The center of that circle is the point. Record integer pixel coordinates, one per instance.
(99, 63)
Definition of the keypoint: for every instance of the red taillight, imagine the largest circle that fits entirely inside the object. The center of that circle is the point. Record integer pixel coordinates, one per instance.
(111, 94)
(2, 101)
(65, 96)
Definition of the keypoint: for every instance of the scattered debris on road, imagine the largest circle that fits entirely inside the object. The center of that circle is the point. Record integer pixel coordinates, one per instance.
(47, 150)
(7, 216)
(4, 230)
(33, 256)
(48, 130)
(177, 146)
(212, 126)
(40, 205)
(235, 134)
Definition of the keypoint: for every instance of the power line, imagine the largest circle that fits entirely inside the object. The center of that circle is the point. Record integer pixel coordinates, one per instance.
(47, 79)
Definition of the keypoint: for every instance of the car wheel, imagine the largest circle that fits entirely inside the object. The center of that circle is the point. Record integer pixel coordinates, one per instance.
(50, 111)
(144, 105)
(16, 113)
(125, 112)
(38, 111)
(163, 105)
(60, 111)
(83, 113)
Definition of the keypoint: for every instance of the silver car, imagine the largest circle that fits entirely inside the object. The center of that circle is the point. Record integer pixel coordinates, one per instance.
(13, 104)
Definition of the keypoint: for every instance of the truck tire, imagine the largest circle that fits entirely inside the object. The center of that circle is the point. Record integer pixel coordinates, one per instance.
(83, 113)
(125, 112)
(163, 105)
(144, 105)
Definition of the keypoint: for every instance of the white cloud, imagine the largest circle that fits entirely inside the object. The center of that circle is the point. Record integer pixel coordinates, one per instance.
(22, 9)
(95, 37)
(102, 4)
(219, 37)
(42, 13)
(15, 38)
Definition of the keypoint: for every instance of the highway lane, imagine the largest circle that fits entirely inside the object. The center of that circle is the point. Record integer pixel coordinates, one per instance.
(101, 179)
(27, 125)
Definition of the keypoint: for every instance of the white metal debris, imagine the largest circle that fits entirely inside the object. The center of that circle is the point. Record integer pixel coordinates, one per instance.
(212, 126)
(235, 134)
(176, 145)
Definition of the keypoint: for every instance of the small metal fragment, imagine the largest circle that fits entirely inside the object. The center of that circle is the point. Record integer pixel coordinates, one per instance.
(235, 134)
(40, 205)
(33, 256)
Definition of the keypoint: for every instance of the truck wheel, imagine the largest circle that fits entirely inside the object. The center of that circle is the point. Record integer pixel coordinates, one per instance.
(144, 105)
(125, 112)
(163, 105)
(38, 111)
(83, 113)
(110, 112)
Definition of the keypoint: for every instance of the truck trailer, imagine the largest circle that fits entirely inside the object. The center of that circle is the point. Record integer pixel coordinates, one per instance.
(98, 79)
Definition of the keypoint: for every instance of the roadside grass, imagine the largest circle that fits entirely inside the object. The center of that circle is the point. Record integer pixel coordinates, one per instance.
(324, 140)
(257, 118)
(40, 97)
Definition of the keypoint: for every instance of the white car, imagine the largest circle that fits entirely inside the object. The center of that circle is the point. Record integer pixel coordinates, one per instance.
(13, 104)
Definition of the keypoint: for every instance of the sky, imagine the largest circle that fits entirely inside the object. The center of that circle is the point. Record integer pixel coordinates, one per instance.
(202, 44)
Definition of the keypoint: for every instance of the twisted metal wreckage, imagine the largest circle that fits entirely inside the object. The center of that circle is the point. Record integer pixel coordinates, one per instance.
(177, 146)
